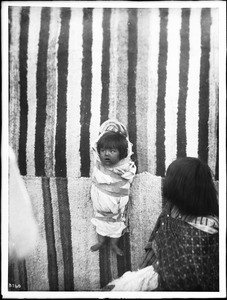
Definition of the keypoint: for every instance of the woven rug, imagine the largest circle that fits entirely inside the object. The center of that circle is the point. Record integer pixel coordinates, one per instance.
(62, 259)
(71, 69)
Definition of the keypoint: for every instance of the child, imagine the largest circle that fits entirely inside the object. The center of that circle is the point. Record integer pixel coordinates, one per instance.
(112, 175)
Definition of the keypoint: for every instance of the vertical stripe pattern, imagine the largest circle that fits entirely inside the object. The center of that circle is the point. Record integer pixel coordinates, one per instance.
(60, 145)
(70, 69)
(41, 77)
(52, 84)
(33, 50)
(150, 68)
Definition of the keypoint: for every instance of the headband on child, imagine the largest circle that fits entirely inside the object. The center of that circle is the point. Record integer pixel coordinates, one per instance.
(113, 125)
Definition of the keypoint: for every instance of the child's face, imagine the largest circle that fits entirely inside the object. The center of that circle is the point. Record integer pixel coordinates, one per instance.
(109, 157)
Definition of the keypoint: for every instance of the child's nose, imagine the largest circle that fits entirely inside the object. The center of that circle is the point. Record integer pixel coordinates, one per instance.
(107, 151)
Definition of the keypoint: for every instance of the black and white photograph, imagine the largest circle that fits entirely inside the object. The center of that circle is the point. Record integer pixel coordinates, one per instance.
(113, 149)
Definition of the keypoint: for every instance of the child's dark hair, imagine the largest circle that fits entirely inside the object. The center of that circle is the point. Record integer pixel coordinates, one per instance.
(189, 186)
(113, 140)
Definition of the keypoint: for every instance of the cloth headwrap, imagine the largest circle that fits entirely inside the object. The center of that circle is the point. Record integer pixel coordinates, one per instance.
(115, 126)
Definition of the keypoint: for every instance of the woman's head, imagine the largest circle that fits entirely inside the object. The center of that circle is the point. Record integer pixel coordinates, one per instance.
(189, 186)
(112, 141)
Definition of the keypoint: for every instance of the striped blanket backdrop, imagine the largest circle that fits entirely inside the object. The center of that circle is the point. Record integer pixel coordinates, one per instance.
(155, 70)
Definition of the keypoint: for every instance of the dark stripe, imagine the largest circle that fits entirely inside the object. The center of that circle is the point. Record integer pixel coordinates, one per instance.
(86, 80)
(65, 230)
(164, 201)
(62, 56)
(24, 23)
(132, 63)
(204, 84)
(104, 265)
(12, 280)
(9, 43)
(217, 154)
(105, 65)
(183, 88)
(41, 77)
(49, 227)
(9, 38)
(23, 275)
(124, 262)
(162, 61)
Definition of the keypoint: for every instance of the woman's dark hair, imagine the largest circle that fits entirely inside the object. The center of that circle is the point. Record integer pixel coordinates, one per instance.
(113, 140)
(189, 186)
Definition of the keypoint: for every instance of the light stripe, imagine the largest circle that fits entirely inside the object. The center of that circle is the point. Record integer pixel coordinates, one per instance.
(33, 40)
(142, 96)
(85, 262)
(96, 88)
(57, 233)
(115, 17)
(183, 84)
(172, 85)
(74, 93)
(37, 261)
(192, 113)
(14, 89)
(152, 88)
(204, 84)
(122, 63)
(213, 100)
(146, 197)
(52, 80)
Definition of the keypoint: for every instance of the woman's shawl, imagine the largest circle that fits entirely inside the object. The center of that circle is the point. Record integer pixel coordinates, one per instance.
(186, 258)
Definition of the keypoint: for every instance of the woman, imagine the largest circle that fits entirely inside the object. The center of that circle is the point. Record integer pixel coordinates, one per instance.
(183, 250)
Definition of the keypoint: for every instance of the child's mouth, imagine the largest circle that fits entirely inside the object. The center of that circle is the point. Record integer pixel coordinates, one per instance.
(107, 161)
